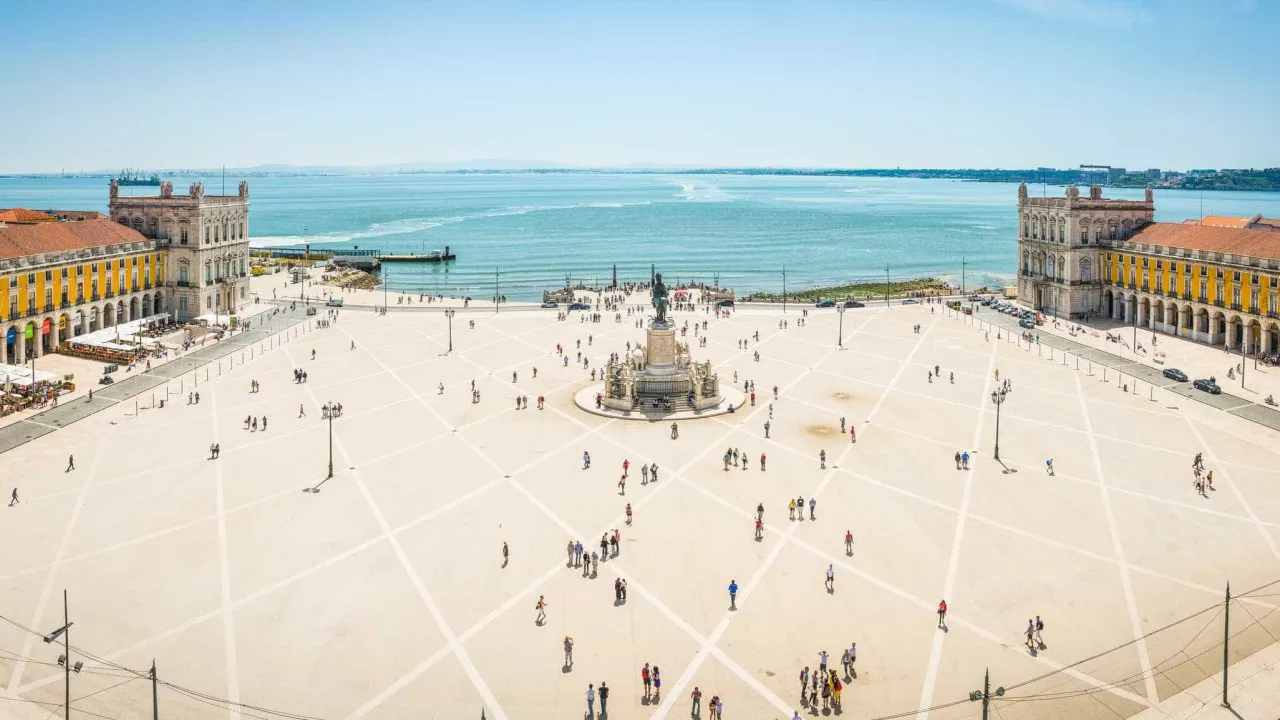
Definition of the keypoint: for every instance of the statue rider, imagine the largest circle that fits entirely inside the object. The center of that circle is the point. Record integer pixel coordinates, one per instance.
(659, 299)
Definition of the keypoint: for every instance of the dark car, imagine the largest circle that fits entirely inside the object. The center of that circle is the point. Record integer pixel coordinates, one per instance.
(854, 304)
(825, 303)
(724, 303)
(580, 306)
(1175, 374)
(1208, 386)
(911, 301)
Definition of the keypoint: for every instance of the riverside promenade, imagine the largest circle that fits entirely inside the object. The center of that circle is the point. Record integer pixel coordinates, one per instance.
(252, 577)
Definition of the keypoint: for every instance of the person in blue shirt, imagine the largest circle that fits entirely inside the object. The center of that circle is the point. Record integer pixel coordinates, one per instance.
(733, 594)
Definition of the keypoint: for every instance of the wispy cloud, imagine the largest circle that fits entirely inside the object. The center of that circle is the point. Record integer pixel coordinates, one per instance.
(1119, 14)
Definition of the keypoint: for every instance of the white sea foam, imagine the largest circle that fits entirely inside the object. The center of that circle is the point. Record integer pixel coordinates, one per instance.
(701, 192)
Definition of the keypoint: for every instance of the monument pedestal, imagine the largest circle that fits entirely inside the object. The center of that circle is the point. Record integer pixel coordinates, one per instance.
(660, 349)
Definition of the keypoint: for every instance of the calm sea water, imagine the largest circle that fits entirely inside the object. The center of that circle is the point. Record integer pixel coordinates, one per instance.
(537, 229)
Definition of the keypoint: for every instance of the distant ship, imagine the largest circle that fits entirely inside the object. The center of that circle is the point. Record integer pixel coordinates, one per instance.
(134, 177)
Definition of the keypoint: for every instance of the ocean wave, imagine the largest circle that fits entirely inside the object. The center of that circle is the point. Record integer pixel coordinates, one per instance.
(691, 192)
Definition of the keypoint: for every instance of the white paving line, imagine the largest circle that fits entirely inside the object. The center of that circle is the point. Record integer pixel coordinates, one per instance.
(1235, 490)
(710, 645)
(1126, 582)
(224, 565)
(959, 620)
(414, 577)
(953, 563)
(47, 589)
(422, 667)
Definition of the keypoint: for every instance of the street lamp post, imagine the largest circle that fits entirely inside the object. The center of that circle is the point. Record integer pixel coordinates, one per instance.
(329, 407)
(840, 331)
(997, 399)
(886, 286)
(449, 313)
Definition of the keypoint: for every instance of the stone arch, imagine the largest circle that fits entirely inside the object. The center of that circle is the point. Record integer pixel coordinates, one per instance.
(1271, 342)
(1062, 267)
(133, 308)
(108, 314)
(157, 305)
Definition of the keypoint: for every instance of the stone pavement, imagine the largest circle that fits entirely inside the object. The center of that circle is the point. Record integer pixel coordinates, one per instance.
(384, 594)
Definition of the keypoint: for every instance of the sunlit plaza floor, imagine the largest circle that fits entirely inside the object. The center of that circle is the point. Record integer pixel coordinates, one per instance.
(384, 594)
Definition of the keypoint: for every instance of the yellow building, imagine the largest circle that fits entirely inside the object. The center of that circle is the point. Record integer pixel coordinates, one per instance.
(63, 279)
(1211, 281)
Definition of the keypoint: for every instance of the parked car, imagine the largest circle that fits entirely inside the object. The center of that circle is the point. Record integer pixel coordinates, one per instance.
(580, 306)
(1175, 374)
(825, 303)
(724, 303)
(551, 304)
(334, 302)
(1208, 386)
(986, 302)
(854, 304)
(1027, 323)
(911, 301)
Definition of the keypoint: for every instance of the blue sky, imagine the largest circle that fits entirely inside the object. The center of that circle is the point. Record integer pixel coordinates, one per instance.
(964, 83)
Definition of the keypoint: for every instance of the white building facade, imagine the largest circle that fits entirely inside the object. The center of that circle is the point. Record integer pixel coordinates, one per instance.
(206, 242)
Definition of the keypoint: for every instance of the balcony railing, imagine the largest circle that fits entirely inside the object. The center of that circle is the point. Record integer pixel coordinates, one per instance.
(94, 297)
(110, 293)
(1235, 306)
(183, 283)
(48, 307)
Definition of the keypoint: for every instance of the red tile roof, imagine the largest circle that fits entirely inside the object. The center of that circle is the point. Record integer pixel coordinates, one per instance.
(1237, 241)
(1225, 221)
(21, 240)
(23, 215)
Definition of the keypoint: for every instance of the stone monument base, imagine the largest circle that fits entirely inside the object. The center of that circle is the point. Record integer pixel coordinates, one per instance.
(625, 410)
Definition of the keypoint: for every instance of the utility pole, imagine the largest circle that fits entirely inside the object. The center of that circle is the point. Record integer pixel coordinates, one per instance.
(386, 280)
(1226, 642)
(495, 291)
(962, 266)
(66, 648)
(155, 693)
(985, 694)
(784, 289)
(886, 285)
(615, 276)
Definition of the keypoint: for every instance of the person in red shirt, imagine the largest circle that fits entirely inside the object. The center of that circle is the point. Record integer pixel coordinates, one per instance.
(942, 614)
(762, 459)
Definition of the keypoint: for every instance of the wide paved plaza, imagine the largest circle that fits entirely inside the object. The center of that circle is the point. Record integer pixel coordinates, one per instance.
(384, 594)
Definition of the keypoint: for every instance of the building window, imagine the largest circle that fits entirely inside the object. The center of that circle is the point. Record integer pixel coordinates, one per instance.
(208, 303)
(1217, 293)
(182, 303)
(182, 235)
(1084, 235)
(1272, 304)
(1050, 273)
(1235, 296)
(1204, 271)
(1086, 270)
(1253, 300)
(241, 231)
(1236, 276)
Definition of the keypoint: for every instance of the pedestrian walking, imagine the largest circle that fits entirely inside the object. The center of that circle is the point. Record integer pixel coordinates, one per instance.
(604, 699)
(1048, 466)
(591, 701)
(302, 411)
(13, 498)
(628, 514)
(1039, 632)
(657, 683)
(957, 459)
(569, 549)
(831, 578)
(1030, 636)
(626, 467)
(506, 553)
(767, 426)
(586, 460)
(696, 697)
(653, 472)
(853, 435)
(822, 459)
(645, 680)
(71, 463)
(942, 614)
(759, 530)
(848, 543)
(675, 431)
(622, 485)
(813, 502)
(804, 687)
(541, 607)
(568, 651)
(733, 584)
(644, 474)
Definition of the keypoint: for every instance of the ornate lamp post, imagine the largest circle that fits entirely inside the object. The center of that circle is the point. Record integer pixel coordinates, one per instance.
(329, 411)
(997, 399)
(840, 335)
(449, 313)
